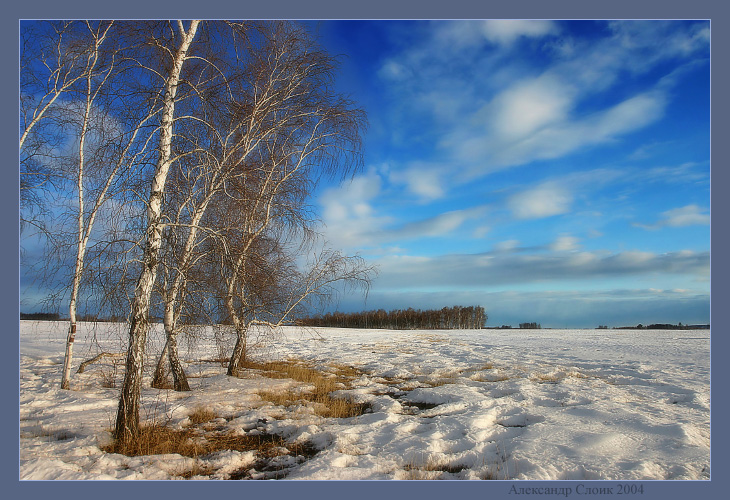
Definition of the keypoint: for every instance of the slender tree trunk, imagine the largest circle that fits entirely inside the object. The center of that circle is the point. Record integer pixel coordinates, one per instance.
(178, 374)
(239, 352)
(127, 424)
(80, 250)
(84, 230)
(171, 303)
(159, 380)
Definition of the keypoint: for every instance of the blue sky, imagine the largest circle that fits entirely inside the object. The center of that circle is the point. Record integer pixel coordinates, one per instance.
(556, 172)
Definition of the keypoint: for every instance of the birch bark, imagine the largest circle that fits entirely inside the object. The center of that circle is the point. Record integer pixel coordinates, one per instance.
(83, 228)
(127, 422)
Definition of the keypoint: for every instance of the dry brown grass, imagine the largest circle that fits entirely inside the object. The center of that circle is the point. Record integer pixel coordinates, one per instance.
(197, 470)
(319, 386)
(292, 368)
(324, 405)
(483, 377)
(158, 439)
(345, 371)
(438, 382)
(431, 468)
(547, 378)
(201, 415)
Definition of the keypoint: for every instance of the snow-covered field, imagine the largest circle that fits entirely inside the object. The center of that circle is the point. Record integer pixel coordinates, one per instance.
(470, 404)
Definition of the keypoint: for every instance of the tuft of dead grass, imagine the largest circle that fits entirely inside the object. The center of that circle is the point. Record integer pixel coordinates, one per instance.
(546, 378)
(201, 415)
(431, 468)
(156, 439)
(440, 381)
(324, 405)
(485, 377)
(319, 386)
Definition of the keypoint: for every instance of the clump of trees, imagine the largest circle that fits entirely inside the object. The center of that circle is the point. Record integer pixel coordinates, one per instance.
(533, 326)
(169, 165)
(664, 326)
(40, 316)
(456, 317)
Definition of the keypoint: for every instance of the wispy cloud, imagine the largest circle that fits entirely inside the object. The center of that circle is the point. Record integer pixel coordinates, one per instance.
(545, 200)
(492, 112)
(352, 220)
(565, 243)
(496, 31)
(548, 132)
(690, 215)
(424, 180)
(501, 268)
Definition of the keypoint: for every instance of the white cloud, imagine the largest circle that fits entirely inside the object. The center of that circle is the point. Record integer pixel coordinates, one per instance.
(503, 32)
(506, 31)
(690, 215)
(492, 112)
(425, 181)
(481, 231)
(501, 268)
(506, 246)
(529, 106)
(545, 200)
(549, 134)
(565, 243)
(632, 114)
(351, 219)
(393, 70)
(439, 225)
(348, 213)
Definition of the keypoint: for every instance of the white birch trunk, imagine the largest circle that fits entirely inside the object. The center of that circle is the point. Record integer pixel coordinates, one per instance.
(83, 233)
(127, 423)
(171, 300)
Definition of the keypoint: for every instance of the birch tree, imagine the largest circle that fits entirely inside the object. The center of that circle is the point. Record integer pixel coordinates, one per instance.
(127, 422)
(284, 128)
(92, 127)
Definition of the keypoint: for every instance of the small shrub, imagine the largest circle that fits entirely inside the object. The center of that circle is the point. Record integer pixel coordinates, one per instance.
(109, 376)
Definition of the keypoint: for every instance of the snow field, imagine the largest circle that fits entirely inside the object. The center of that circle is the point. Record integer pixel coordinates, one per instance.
(479, 404)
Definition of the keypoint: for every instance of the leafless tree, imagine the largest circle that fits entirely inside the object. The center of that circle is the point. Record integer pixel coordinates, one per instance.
(92, 128)
(127, 422)
(280, 129)
(191, 149)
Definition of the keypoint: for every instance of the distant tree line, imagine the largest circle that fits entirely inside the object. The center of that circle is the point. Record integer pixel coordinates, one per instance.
(533, 325)
(54, 316)
(664, 326)
(456, 317)
(39, 316)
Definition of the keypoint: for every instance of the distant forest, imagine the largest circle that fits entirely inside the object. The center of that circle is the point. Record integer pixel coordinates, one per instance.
(663, 326)
(448, 318)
